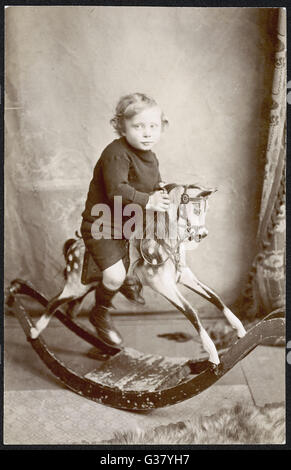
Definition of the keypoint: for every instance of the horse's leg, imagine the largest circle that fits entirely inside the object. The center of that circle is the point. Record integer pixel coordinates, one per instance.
(165, 285)
(44, 320)
(189, 280)
(72, 291)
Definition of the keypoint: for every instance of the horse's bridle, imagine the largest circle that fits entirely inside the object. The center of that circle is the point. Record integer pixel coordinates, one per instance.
(185, 199)
(174, 251)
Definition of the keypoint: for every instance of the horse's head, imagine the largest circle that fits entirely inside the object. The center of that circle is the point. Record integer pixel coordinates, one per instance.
(183, 222)
(189, 205)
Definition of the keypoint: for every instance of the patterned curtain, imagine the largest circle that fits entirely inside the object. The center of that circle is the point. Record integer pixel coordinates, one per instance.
(265, 289)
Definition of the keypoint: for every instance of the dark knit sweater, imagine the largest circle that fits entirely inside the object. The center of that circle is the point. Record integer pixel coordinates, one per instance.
(122, 171)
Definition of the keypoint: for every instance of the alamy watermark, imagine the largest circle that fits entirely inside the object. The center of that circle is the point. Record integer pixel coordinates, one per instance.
(118, 221)
(130, 220)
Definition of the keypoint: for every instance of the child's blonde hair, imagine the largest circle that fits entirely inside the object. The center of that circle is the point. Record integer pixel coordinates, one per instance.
(130, 105)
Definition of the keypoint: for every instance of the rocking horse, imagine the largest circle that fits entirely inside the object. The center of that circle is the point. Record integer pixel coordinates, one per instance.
(159, 262)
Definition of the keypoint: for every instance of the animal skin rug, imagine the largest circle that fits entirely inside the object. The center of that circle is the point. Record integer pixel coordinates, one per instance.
(241, 424)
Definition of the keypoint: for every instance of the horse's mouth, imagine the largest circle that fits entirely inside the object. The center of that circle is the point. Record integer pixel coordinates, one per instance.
(194, 237)
(198, 237)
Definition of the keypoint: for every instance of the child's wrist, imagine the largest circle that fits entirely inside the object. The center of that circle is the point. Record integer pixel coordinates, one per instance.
(148, 205)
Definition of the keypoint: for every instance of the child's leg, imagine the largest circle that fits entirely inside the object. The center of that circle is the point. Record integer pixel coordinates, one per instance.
(113, 278)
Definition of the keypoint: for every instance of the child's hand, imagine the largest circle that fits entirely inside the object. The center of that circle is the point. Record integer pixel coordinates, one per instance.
(158, 201)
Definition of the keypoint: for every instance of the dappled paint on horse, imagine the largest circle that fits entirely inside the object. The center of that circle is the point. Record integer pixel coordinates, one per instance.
(158, 262)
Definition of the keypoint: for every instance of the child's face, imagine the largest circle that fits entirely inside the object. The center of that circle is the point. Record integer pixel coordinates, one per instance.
(143, 130)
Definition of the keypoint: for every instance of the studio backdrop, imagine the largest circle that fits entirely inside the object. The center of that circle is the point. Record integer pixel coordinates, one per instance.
(210, 69)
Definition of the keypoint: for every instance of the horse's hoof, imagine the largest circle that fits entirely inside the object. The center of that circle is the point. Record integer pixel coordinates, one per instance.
(214, 361)
(241, 333)
(34, 333)
(216, 368)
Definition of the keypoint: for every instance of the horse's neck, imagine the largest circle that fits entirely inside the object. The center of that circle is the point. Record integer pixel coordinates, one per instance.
(182, 255)
(170, 241)
(171, 244)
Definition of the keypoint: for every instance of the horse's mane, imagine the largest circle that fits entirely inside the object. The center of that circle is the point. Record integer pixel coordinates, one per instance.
(159, 226)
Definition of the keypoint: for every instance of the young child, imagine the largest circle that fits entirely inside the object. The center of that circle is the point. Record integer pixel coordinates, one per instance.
(127, 168)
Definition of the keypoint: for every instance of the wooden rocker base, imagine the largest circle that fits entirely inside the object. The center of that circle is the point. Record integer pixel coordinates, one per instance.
(131, 380)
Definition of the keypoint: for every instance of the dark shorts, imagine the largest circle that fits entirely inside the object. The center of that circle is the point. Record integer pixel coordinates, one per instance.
(105, 252)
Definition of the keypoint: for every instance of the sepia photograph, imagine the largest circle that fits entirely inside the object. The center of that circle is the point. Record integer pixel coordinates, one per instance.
(144, 227)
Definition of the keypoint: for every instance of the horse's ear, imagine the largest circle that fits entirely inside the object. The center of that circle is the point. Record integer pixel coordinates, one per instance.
(207, 192)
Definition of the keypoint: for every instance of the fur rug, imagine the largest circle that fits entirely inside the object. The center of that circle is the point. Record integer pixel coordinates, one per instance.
(241, 424)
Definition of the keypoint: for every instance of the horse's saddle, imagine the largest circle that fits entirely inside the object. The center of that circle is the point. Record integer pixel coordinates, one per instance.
(131, 287)
(91, 272)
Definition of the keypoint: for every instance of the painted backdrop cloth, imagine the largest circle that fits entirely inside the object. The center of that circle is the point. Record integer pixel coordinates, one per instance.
(65, 69)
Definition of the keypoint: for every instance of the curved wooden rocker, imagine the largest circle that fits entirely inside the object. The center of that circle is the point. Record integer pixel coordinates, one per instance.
(131, 380)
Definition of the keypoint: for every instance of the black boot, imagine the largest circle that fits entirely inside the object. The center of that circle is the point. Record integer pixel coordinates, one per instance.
(131, 289)
(100, 316)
